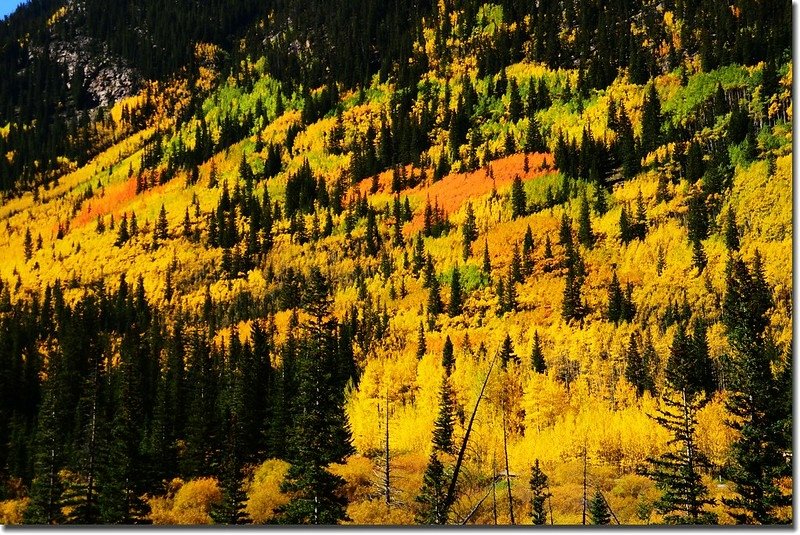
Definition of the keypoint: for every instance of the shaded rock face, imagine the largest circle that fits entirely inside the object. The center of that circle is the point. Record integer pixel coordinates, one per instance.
(105, 78)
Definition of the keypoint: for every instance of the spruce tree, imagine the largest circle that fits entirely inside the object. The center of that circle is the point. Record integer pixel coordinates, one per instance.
(677, 472)
(731, 231)
(27, 244)
(487, 264)
(456, 294)
(162, 227)
(46, 489)
(527, 253)
(445, 420)
(519, 203)
(651, 120)
(448, 359)
(431, 499)
(320, 434)
(585, 234)
(598, 510)
(540, 493)
(537, 356)
(615, 300)
(625, 230)
(507, 353)
(122, 233)
(435, 306)
(759, 456)
(422, 347)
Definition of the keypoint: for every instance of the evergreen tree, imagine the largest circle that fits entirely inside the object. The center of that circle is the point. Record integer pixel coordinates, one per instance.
(27, 244)
(540, 493)
(507, 352)
(422, 347)
(469, 230)
(527, 253)
(231, 508)
(585, 234)
(514, 101)
(537, 356)
(677, 472)
(731, 231)
(651, 120)
(487, 264)
(636, 372)
(162, 227)
(122, 233)
(431, 499)
(694, 169)
(758, 456)
(435, 306)
(615, 300)
(320, 434)
(598, 510)
(448, 359)
(443, 426)
(45, 494)
(519, 203)
(533, 141)
(626, 233)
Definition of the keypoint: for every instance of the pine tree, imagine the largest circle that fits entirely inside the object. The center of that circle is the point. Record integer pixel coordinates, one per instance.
(514, 101)
(537, 356)
(625, 230)
(230, 510)
(548, 248)
(636, 372)
(487, 264)
(431, 499)
(46, 489)
(435, 306)
(527, 253)
(519, 203)
(28, 244)
(507, 352)
(565, 231)
(693, 169)
(162, 228)
(699, 258)
(651, 120)
(585, 234)
(677, 472)
(758, 456)
(469, 231)
(445, 420)
(731, 231)
(598, 510)
(187, 224)
(615, 300)
(122, 233)
(540, 493)
(533, 137)
(697, 218)
(448, 359)
(320, 434)
(422, 347)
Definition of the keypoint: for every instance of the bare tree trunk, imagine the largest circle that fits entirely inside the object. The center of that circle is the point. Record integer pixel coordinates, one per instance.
(386, 480)
(494, 486)
(451, 491)
(508, 475)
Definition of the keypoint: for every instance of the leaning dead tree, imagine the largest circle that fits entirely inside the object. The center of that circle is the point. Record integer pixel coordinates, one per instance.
(451, 491)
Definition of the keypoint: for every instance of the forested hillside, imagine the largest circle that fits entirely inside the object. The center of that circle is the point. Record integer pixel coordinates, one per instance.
(396, 262)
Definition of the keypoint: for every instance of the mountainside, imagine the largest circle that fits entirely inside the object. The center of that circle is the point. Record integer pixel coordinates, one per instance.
(396, 262)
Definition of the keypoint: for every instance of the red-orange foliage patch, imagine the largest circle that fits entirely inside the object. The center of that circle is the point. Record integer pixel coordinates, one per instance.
(115, 196)
(453, 190)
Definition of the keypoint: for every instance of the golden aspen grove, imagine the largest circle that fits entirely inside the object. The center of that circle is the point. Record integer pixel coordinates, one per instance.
(389, 262)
